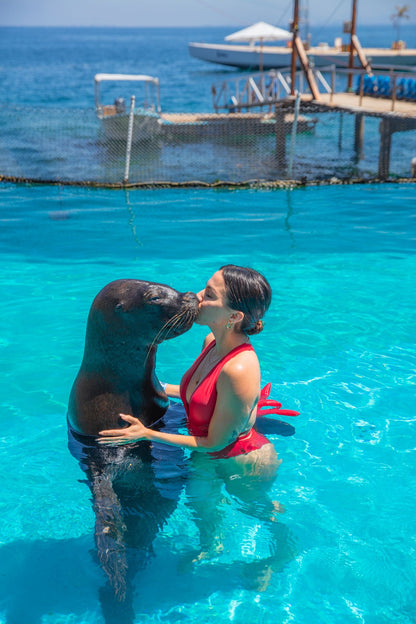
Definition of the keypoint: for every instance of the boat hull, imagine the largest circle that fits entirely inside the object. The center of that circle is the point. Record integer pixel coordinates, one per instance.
(274, 57)
(146, 127)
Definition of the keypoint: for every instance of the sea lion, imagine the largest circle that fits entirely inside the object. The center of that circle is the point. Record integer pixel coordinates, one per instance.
(134, 488)
(127, 320)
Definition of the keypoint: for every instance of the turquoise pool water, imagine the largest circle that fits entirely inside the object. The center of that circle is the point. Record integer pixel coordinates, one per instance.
(338, 345)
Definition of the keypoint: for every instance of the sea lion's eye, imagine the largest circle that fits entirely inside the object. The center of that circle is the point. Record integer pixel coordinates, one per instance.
(153, 299)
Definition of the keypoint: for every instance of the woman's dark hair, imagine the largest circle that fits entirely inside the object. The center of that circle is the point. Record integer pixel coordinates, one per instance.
(249, 292)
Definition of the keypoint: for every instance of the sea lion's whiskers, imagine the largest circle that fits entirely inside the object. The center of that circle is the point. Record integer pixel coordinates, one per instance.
(169, 325)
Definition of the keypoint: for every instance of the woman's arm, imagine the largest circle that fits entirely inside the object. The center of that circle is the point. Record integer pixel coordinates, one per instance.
(137, 431)
(172, 390)
(237, 391)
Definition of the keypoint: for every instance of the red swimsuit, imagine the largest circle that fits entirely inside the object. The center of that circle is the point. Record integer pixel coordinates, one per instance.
(202, 405)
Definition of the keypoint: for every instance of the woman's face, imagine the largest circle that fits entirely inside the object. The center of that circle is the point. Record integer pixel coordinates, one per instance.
(213, 308)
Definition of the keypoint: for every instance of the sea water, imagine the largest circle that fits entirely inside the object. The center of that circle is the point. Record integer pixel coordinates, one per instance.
(50, 130)
(338, 346)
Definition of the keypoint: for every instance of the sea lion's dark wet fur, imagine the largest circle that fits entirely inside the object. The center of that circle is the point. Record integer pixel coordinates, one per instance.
(127, 320)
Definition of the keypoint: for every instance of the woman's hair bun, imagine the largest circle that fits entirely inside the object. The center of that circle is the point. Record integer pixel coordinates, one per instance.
(247, 291)
(256, 329)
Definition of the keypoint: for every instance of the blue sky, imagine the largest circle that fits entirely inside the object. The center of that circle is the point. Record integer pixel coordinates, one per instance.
(189, 12)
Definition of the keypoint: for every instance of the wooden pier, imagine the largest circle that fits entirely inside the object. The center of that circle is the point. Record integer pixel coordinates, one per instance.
(191, 126)
(275, 89)
(376, 106)
(395, 116)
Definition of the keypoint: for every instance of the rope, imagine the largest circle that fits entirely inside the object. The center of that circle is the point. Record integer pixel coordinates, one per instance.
(331, 15)
(248, 184)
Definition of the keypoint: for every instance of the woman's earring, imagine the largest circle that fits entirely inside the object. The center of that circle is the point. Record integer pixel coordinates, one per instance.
(229, 324)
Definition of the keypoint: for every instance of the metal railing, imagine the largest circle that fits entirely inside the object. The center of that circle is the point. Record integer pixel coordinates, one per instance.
(390, 83)
(263, 89)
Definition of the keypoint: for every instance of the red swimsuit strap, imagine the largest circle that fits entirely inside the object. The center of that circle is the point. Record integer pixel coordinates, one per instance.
(194, 367)
(217, 368)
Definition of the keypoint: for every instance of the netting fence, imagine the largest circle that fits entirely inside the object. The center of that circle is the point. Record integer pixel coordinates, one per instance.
(74, 146)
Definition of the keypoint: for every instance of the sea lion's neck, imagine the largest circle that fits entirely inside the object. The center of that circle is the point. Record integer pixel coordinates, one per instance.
(113, 351)
(155, 401)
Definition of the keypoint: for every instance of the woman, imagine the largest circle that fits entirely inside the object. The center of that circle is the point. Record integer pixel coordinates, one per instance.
(220, 393)
(221, 389)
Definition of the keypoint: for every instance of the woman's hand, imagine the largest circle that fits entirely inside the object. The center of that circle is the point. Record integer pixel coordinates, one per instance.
(128, 435)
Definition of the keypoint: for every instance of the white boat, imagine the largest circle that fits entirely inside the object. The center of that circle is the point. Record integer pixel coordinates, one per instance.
(275, 57)
(115, 117)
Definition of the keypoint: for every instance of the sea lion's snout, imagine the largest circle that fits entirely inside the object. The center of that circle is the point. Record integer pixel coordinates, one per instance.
(183, 310)
(191, 303)
(187, 312)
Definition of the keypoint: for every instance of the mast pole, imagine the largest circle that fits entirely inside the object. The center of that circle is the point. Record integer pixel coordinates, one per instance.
(295, 29)
(353, 29)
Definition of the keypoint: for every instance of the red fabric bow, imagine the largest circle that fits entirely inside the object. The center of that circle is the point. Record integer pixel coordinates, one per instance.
(264, 402)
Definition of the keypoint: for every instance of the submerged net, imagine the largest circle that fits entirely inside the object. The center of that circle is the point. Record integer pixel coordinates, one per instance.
(74, 146)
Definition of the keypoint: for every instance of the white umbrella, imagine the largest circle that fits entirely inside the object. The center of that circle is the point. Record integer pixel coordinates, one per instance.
(261, 31)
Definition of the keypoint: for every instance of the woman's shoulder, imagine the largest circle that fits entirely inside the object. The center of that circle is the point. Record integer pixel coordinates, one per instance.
(243, 368)
(239, 379)
(245, 358)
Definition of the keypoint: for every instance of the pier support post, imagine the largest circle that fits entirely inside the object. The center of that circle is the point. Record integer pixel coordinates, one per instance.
(280, 134)
(385, 130)
(340, 129)
(294, 134)
(358, 136)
